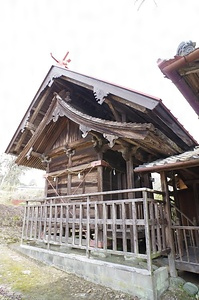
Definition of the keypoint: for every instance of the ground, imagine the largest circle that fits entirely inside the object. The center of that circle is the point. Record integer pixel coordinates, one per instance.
(22, 278)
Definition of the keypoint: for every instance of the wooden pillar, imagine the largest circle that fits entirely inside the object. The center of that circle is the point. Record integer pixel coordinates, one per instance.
(130, 173)
(69, 179)
(169, 236)
(46, 181)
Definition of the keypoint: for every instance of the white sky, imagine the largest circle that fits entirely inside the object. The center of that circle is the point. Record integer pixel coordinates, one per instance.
(107, 39)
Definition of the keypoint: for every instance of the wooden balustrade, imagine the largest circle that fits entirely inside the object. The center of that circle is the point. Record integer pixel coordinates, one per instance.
(186, 240)
(134, 227)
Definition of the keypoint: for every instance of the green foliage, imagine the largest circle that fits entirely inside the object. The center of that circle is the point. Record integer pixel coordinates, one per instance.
(10, 172)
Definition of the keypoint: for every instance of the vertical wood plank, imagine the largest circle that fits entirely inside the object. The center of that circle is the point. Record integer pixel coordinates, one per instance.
(73, 224)
(50, 222)
(55, 222)
(96, 226)
(157, 217)
(169, 235)
(36, 222)
(61, 224)
(152, 226)
(124, 239)
(147, 232)
(80, 224)
(114, 227)
(186, 244)
(105, 237)
(67, 223)
(24, 236)
(163, 226)
(27, 221)
(31, 220)
(88, 229)
(135, 227)
(45, 219)
(40, 221)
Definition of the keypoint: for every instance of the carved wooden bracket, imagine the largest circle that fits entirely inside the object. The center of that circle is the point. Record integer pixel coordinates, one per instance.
(69, 152)
(99, 94)
(84, 129)
(30, 127)
(45, 159)
(111, 138)
(29, 153)
(57, 113)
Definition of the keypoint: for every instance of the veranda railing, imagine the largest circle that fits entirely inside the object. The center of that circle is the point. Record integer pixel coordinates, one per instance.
(133, 224)
(186, 241)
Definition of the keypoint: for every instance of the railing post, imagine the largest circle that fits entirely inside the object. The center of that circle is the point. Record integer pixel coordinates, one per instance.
(24, 222)
(88, 228)
(147, 231)
(169, 235)
(49, 225)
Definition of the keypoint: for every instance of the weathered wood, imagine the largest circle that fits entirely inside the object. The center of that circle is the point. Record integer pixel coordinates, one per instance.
(147, 233)
(105, 227)
(124, 239)
(135, 228)
(35, 222)
(152, 227)
(169, 236)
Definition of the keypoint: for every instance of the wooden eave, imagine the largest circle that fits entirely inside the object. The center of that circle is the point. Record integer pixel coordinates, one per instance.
(145, 112)
(145, 135)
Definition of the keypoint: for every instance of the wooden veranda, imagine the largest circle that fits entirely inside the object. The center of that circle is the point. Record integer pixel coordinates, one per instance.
(130, 223)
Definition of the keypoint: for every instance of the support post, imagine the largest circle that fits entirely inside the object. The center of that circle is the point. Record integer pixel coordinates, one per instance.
(169, 236)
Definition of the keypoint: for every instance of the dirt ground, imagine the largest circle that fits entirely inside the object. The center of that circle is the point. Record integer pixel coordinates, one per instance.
(22, 278)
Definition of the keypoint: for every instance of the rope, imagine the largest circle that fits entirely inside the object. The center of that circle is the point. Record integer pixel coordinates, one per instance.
(82, 180)
(52, 187)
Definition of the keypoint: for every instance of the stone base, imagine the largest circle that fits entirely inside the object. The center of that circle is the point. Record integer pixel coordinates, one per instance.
(134, 281)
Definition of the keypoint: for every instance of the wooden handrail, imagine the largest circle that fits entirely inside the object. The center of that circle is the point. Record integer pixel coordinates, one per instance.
(96, 194)
(182, 214)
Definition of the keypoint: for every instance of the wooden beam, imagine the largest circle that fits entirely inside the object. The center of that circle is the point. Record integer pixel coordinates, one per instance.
(78, 168)
(113, 110)
(32, 118)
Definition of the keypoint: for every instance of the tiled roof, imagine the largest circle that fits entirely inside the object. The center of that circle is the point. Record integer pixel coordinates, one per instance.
(174, 160)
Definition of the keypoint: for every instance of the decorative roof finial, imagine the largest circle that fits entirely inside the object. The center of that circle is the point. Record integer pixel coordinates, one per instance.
(185, 48)
(64, 62)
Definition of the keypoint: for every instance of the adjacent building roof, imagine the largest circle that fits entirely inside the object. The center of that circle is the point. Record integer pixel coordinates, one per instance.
(115, 112)
(183, 160)
(183, 71)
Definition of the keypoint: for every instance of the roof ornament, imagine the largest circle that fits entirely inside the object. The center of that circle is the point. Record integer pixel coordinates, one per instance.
(99, 94)
(111, 138)
(84, 129)
(29, 153)
(64, 62)
(185, 48)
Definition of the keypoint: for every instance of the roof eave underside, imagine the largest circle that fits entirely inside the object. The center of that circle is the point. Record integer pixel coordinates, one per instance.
(171, 69)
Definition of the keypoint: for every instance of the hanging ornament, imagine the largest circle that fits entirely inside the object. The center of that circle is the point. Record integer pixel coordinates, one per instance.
(114, 172)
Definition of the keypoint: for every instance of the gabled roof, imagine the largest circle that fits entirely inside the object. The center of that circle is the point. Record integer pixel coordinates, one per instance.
(183, 71)
(95, 105)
